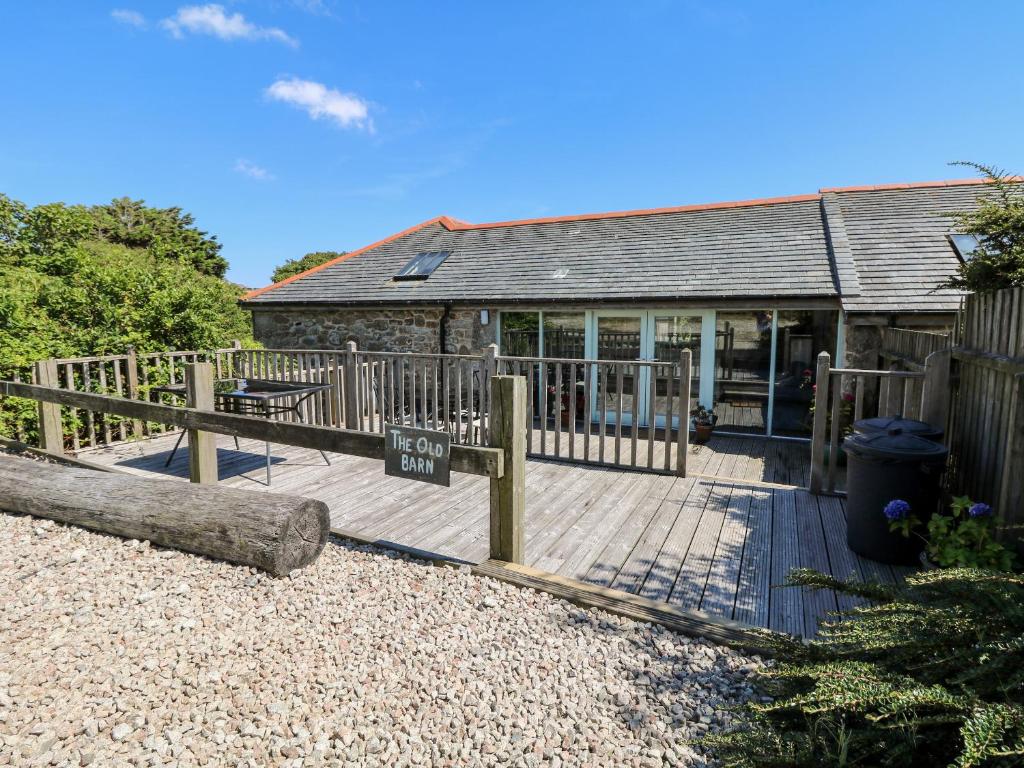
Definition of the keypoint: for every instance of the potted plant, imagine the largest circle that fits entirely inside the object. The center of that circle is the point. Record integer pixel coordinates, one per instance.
(703, 420)
(962, 538)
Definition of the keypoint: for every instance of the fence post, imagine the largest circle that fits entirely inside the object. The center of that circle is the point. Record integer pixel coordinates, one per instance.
(893, 394)
(683, 435)
(508, 492)
(202, 446)
(51, 432)
(489, 369)
(1010, 504)
(132, 373)
(935, 391)
(821, 380)
(351, 391)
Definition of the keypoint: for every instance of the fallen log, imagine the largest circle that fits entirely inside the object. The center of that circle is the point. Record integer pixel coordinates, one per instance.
(274, 532)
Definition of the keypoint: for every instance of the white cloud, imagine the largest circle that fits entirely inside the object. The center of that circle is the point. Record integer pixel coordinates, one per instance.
(129, 17)
(319, 101)
(253, 171)
(213, 20)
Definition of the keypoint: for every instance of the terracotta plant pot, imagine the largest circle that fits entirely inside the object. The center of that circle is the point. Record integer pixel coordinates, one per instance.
(702, 432)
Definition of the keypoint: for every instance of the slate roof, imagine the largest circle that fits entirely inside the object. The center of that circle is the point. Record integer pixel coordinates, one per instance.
(880, 249)
(897, 240)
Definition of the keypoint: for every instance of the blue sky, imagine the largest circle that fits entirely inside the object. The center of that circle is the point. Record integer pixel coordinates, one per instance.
(287, 126)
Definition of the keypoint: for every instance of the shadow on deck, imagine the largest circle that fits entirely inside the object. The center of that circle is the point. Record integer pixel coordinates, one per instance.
(719, 543)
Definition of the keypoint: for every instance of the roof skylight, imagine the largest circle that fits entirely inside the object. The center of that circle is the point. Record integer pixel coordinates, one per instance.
(421, 266)
(964, 245)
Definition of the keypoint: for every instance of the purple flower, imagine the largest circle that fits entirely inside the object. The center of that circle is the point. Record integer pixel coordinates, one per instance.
(980, 509)
(897, 509)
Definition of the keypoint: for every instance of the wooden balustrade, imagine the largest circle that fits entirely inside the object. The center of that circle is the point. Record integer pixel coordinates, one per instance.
(632, 413)
(844, 396)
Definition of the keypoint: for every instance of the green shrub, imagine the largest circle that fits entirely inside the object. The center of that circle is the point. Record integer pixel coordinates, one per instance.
(71, 286)
(930, 674)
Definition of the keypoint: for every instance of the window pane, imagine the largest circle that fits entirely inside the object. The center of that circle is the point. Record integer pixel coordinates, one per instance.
(564, 334)
(802, 334)
(742, 370)
(520, 333)
(618, 338)
(673, 334)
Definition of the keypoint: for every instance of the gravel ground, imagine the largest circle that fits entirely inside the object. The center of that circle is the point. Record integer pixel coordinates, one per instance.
(115, 653)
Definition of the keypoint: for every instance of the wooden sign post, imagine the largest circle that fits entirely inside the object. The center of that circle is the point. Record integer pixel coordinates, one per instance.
(508, 492)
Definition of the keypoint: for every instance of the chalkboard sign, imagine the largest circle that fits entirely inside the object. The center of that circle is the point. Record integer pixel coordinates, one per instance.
(418, 454)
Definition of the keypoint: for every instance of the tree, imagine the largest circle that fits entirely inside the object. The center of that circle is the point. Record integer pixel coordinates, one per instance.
(168, 233)
(71, 285)
(998, 223)
(295, 266)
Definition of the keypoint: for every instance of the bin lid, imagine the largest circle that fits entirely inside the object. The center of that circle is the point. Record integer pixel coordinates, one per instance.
(908, 426)
(894, 444)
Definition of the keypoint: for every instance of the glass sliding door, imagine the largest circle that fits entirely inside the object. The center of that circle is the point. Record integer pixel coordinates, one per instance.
(619, 337)
(743, 361)
(564, 334)
(673, 333)
(801, 335)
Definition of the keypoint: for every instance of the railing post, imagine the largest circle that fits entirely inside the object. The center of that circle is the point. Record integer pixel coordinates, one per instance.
(235, 358)
(202, 446)
(489, 368)
(132, 374)
(935, 391)
(821, 380)
(508, 492)
(683, 435)
(351, 392)
(51, 432)
(334, 379)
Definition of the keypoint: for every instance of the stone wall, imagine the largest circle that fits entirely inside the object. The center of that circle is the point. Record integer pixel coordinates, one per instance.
(373, 330)
(376, 330)
(466, 335)
(863, 346)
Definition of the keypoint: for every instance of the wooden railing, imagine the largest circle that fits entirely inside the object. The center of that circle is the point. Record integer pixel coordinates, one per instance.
(632, 413)
(844, 396)
(576, 409)
(626, 413)
(503, 462)
(986, 431)
(130, 375)
(370, 389)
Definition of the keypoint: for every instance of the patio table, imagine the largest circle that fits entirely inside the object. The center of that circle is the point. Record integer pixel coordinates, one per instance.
(253, 397)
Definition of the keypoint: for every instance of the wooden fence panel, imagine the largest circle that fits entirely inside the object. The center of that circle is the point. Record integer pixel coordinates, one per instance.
(986, 422)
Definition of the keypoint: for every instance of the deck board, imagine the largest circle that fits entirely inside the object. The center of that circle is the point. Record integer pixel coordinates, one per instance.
(719, 541)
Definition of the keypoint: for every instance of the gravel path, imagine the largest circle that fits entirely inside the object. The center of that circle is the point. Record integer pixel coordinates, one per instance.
(114, 653)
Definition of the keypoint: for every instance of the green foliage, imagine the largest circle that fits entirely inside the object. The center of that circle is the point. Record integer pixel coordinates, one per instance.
(930, 674)
(295, 266)
(167, 233)
(964, 538)
(998, 221)
(65, 293)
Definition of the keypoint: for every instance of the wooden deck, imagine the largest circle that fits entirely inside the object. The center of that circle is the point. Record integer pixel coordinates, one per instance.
(715, 542)
(741, 457)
